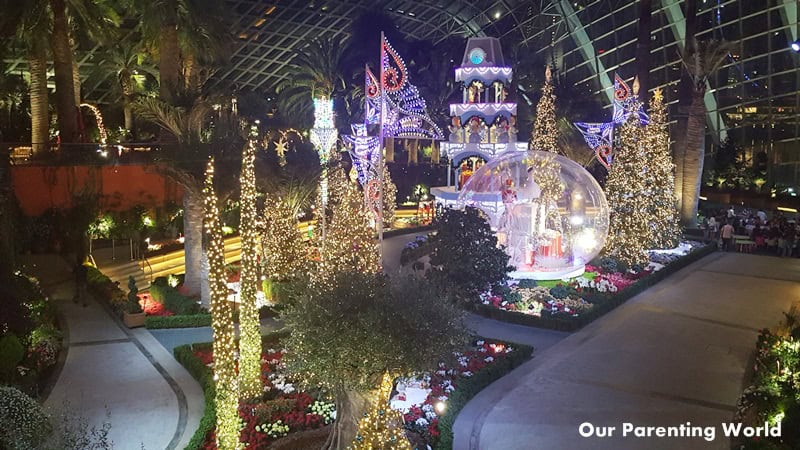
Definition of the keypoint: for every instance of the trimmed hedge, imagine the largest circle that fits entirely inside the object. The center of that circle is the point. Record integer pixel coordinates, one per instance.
(173, 300)
(103, 289)
(184, 354)
(604, 302)
(469, 387)
(184, 321)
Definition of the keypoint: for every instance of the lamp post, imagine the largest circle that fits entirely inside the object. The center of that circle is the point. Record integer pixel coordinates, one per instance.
(323, 136)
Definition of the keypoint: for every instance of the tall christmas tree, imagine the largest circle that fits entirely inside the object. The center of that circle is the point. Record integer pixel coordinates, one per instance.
(226, 396)
(389, 198)
(349, 245)
(629, 231)
(249, 325)
(665, 230)
(285, 254)
(545, 130)
(382, 427)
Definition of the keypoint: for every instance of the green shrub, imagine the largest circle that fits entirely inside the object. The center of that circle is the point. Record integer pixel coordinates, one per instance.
(102, 288)
(11, 353)
(23, 423)
(133, 306)
(184, 321)
(173, 300)
(527, 284)
(469, 387)
(559, 291)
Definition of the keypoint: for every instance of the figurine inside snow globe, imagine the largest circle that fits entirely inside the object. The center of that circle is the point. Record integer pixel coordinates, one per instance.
(548, 212)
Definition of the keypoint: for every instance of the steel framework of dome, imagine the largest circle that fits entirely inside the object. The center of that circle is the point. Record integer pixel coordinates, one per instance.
(585, 40)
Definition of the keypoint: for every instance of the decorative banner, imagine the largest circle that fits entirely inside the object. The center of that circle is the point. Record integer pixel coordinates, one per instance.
(404, 108)
(600, 136)
(372, 98)
(393, 68)
(364, 152)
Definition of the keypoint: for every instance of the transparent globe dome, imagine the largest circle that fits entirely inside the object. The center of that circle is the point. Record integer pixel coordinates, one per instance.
(547, 210)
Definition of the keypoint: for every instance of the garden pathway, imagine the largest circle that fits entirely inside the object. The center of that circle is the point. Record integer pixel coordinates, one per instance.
(678, 352)
(153, 402)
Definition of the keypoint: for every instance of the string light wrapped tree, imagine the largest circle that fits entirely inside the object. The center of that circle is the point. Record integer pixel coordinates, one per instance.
(389, 198)
(226, 396)
(352, 329)
(629, 231)
(381, 427)
(545, 128)
(349, 245)
(285, 255)
(665, 230)
(250, 385)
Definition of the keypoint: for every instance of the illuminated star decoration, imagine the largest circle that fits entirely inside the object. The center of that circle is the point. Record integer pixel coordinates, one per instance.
(600, 136)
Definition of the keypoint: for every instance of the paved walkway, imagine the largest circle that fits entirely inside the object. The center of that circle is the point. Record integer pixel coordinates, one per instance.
(154, 403)
(676, 353)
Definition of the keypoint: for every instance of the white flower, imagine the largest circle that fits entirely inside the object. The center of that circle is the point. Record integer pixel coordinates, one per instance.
(421, 422)
(479, 343)
(488, 359)
(466, 374)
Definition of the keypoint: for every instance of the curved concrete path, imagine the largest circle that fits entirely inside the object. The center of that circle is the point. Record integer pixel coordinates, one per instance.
(153, 402)
(679, 352)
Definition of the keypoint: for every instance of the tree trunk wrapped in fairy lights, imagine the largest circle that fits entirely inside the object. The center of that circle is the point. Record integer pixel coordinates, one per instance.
(226, 398)
(249, 326)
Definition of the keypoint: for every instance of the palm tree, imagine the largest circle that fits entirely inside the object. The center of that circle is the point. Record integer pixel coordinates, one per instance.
(187, 125)
(62, 66)
(196, 140)
(318, 75)
(701, 61)
(183, 35)
(30, 22)
(127, 61)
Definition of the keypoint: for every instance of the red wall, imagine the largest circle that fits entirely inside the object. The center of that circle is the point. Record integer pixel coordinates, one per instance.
(38, 188)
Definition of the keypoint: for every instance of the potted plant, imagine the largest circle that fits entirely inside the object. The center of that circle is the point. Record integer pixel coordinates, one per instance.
(133, 316)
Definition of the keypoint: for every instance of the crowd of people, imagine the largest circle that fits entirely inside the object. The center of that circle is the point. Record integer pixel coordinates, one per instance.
(776, 234)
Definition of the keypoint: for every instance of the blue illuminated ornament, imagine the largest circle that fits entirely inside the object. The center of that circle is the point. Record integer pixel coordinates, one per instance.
(477, 55)
(600, 136)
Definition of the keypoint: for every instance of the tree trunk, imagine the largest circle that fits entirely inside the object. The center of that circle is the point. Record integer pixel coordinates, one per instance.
(62, 65)
(76, 81)
(350, 408)
(643, 48)
(685, 99)
(169, 62)
(128, 112)
(195, 262)
(693, 158)
(40, 117)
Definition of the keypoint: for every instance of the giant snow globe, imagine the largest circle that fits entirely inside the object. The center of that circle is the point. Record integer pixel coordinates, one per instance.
(548, 212)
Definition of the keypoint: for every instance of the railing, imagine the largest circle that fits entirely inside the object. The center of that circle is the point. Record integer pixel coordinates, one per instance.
(144, 261)
(94, 153)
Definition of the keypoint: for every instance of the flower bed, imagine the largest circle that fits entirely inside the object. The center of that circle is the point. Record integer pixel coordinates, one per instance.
(30, 340)
(431, 402)
(774, 395)
(570, 304)
(284, 409)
